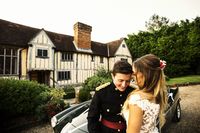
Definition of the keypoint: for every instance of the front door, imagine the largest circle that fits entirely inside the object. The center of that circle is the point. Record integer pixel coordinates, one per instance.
(41, 77)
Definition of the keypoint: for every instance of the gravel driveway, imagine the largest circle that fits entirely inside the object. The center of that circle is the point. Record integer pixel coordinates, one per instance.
(190, 121)
(190, 106)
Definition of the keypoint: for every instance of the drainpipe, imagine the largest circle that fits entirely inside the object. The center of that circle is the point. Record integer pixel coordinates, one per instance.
(76, 68)
(19, 62)
(53, 67)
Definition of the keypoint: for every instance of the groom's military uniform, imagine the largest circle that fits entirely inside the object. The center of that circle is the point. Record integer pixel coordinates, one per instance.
(104, 114)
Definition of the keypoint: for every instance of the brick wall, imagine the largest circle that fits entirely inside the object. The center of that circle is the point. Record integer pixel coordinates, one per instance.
(82, 35)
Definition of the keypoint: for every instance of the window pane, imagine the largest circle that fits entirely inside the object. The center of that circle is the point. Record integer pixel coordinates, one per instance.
(7, 65)
(39, 52)
(59, 75)
(63, 56)
(1, 51)
(69, 76)
(8, 51)
(14, 52)
(45, 53)
(71, 57)
(1, 64)
(14, 65)
(66, 56)
(65, 75)
(101, 59)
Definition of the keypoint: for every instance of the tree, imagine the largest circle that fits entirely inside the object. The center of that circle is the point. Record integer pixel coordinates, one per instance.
(194, 48)
(177, 43)
(156, 22)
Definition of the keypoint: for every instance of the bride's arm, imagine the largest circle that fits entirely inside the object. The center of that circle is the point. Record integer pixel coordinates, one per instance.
(135, 119)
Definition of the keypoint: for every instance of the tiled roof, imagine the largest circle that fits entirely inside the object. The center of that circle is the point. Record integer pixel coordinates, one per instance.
(62, 42)
(19, 35)
(113, 46)
(15, 34)
(99, 48)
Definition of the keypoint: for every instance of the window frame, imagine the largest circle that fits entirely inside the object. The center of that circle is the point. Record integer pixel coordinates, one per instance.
(101, 60)
(42, 53)
(65, 56)
(9, 61)
(64, 75)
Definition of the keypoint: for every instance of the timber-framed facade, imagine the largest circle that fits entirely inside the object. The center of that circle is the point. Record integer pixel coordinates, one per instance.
(55, 59)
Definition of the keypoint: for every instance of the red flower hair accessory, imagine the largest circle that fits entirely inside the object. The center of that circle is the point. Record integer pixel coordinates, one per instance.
(162, 64)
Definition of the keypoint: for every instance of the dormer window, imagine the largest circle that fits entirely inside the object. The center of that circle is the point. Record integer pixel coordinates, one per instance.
(42, 53)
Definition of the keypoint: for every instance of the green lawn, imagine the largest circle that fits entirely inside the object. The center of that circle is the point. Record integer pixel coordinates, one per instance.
(184, 80)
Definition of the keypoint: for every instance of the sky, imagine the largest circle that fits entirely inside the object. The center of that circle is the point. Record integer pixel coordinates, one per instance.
(110, 19)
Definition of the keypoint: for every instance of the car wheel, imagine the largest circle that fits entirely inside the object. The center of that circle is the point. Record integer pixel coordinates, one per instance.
(177, 114)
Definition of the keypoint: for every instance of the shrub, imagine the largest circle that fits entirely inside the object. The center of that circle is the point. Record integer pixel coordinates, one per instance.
(22, 97)
(95, 81)
(56, 104)
(84, 95)
(101, 72)
(69, 92)
(47, 111)
(99, 78)
(175, 70)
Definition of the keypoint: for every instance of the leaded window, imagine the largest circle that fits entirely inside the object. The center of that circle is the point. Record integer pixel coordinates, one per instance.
(64, 75)
(42, 53)
(67, 56)
(8, 61)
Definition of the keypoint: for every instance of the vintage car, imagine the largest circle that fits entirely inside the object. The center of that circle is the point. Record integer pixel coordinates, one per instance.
(74, 118)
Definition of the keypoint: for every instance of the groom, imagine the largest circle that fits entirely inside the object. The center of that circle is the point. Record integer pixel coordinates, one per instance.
(104, 113)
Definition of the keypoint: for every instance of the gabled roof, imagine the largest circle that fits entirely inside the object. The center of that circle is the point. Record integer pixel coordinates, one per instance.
(62, 42)
(15, 34)
(113, 46)
(19, 35)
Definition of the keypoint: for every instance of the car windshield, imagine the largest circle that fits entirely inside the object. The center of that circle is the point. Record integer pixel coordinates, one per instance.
(78, 124)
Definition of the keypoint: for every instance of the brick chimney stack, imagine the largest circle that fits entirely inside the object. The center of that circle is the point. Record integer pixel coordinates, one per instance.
(82, 35)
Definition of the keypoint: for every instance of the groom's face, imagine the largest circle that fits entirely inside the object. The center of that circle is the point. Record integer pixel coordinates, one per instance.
(121, 81)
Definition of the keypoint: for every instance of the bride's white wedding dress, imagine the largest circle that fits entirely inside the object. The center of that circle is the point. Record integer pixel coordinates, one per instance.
(151, 111)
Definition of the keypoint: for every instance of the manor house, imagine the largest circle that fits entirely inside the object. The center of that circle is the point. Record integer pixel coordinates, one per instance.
(55, 59)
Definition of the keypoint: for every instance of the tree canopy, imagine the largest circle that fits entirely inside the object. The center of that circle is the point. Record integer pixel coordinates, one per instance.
(176, 43)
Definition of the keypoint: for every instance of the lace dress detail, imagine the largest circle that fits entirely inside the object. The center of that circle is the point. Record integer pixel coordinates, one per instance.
(151, 111)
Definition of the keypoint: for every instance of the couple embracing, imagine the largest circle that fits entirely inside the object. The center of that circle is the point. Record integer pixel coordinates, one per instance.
(120, 107)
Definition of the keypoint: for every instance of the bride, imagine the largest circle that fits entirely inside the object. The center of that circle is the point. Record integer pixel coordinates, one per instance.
(147, 103)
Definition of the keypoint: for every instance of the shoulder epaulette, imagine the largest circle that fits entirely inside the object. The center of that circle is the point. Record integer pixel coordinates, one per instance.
(102, 86)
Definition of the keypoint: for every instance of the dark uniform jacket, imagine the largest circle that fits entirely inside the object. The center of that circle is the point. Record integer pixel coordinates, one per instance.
(107, 103)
